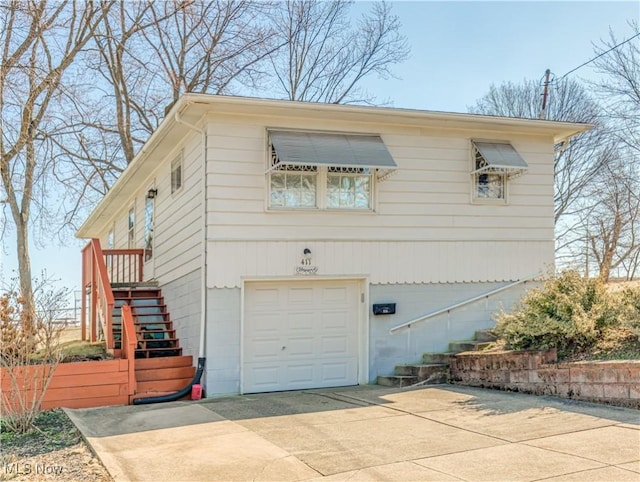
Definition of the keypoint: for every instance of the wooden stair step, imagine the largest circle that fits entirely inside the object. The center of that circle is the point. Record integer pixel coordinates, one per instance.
(153, 335)
(172, 385)
(144, 344)
(163, 362)
(163, 318)
(134, 285)
(169, 373)
(145, 302)
(145, 294)
(158, 352)
(159, 394)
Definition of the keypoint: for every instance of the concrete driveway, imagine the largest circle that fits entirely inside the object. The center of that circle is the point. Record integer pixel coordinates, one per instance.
(442, 433)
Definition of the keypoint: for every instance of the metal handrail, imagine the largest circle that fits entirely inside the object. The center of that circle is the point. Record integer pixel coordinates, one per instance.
(460, 304)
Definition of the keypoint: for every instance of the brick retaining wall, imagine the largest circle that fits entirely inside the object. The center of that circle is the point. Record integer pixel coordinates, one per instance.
(538, 373)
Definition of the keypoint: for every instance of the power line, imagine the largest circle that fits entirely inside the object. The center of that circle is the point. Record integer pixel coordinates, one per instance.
(600, 55)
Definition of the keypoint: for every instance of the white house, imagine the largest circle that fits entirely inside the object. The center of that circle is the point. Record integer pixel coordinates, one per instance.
(274, 227)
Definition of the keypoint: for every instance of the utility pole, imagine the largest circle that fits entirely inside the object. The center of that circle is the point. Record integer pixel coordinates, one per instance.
(545, 94)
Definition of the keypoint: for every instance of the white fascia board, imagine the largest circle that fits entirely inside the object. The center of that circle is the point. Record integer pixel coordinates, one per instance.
(382, 115)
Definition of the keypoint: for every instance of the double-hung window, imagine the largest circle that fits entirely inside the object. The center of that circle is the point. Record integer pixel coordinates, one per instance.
(493, 165)
(310, 170)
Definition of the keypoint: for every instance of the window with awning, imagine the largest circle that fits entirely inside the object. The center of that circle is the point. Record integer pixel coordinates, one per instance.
(325, 170)
(494, 163)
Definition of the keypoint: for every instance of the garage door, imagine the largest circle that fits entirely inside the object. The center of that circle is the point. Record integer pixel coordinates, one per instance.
(300, 334)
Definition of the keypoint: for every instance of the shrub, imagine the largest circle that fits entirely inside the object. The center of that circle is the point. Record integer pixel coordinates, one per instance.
(22, 334)
(568, 312)
(629, 301)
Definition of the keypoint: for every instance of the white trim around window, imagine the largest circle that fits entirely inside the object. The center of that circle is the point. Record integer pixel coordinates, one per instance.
(492, 165)
(131, 227)
(177, 173)
(321, 188)
(339, 176)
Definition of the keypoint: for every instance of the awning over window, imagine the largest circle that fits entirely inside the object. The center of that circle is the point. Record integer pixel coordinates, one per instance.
(328, 149)
(499, 157)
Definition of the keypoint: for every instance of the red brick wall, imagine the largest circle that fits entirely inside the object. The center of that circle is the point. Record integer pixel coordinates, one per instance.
(536, 372)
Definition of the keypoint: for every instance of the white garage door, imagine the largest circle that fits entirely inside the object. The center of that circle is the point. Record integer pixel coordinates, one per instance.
(300, 334)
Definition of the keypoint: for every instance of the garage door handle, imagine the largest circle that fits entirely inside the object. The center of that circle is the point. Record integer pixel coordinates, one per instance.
(283, 347)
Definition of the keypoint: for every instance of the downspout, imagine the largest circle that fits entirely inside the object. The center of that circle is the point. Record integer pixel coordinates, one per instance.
(203, 281)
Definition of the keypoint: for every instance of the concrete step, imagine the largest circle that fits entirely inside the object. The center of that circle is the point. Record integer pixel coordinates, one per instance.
(460, 346)
(485, 335)
(422, 371)
(397, 381)
(437, 358)
(432, 373)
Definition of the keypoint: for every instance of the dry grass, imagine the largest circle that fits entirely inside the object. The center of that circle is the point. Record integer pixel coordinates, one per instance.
(614, 286)
(70, 333)
(74, 349)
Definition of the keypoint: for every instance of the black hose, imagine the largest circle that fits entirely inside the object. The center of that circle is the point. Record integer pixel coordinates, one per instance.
(177, 395)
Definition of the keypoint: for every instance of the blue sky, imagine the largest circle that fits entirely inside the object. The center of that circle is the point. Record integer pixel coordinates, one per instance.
(458, 50)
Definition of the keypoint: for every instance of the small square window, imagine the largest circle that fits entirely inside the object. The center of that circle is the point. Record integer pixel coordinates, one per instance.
(176, 174)
(490, 186)
(493, 164)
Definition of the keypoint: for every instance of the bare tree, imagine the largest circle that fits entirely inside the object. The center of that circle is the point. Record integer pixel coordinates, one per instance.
(149, 53)
(576, 164)
(612, 219)
(325, 57)
(39, 42)
(619, 61)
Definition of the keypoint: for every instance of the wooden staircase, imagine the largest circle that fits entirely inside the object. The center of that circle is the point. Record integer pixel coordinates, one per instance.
(154, 328)
(163, 375)
(160, 367)
(434, 367)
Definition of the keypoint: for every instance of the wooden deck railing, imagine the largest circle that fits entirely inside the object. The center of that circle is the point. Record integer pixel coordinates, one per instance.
(100, 269)
(124, 265)
(96, 283)
(129, 342)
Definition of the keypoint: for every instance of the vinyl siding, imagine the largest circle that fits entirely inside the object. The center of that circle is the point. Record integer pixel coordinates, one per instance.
(380, 261)
(178, 217)
(178, 224)
(424, 229)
